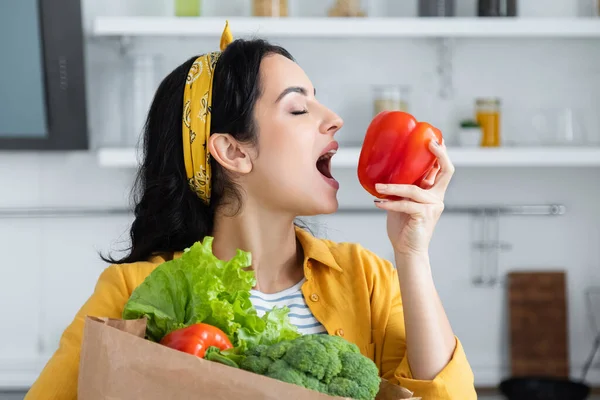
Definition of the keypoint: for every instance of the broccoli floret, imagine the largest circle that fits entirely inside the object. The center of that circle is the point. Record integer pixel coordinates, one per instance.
(345, 387)
(336, 343)
(361, 370)
(257, 351)
(278, 350)
(312, 383)
(256, 364)
(355, 365)
(327, 364)
(313, 358)
(280, 370)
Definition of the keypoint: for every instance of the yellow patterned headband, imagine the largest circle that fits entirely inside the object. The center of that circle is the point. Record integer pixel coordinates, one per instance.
(197, 104)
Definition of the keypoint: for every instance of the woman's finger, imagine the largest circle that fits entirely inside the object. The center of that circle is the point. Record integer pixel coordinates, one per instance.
(403, 206)
(446, 166)
(429, 180)
(411, 192)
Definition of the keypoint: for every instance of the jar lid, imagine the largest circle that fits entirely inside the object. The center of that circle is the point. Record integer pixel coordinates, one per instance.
(391, 92)
(482, 101)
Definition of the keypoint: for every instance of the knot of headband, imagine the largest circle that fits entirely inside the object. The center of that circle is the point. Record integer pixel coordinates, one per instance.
(197, 107)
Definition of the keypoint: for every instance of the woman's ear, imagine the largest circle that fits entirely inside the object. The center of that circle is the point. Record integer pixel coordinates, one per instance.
(229, 153)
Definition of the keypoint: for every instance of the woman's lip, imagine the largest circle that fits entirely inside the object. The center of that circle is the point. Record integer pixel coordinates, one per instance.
(334, 145)
(331, 181)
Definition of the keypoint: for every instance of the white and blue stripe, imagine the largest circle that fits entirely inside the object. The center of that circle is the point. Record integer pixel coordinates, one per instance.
(300, 315)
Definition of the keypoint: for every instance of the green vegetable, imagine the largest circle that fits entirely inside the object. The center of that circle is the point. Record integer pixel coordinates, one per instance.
(469, 123)
(328, 364)
(198, 287)
(214, 354)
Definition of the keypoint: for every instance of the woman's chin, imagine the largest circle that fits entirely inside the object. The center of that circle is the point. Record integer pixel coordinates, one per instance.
(326, 204)
(330, 209)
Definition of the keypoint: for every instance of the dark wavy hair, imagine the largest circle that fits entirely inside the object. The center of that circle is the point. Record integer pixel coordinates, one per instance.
(168, 215)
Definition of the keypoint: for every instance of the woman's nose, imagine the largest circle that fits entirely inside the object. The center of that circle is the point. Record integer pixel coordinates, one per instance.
(331, 123)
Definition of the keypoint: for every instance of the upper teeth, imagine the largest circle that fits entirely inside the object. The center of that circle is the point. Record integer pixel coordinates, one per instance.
(330, 153)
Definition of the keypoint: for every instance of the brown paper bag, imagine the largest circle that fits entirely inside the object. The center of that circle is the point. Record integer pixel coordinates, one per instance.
(118, 363)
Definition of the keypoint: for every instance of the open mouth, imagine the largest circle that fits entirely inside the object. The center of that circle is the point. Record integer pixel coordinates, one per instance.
(324, 163)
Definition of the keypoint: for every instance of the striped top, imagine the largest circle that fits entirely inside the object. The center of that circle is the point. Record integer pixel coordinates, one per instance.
(300, 315)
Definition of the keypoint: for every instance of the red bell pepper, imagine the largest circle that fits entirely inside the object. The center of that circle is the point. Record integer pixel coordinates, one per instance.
(196, 339)
(396, 151)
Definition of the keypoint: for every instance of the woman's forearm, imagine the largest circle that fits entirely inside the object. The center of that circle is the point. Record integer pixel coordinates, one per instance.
(430, 341)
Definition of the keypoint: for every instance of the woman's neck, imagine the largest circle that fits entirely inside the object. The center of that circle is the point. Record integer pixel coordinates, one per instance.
(277, 257)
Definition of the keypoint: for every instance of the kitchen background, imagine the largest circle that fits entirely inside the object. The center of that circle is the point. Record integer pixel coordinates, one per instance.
(544, 66)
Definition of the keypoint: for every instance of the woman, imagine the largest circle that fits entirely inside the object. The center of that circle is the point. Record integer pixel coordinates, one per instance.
(254, 111)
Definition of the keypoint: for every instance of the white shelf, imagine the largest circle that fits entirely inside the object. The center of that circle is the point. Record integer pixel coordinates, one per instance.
(349, 27)
(461, 157)
(526, 157)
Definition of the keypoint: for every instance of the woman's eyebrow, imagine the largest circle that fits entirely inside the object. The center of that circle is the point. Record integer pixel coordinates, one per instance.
(293, 89)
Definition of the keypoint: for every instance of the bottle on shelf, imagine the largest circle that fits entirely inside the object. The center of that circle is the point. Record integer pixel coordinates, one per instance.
(188, 8)
(139, 83)
(270, 8)
(487, 111)
(497, 8)
(469, 133)
(390, 98)
(436, 8)
(346, 8)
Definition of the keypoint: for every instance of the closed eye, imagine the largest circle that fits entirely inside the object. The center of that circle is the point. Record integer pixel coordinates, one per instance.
(299, 112)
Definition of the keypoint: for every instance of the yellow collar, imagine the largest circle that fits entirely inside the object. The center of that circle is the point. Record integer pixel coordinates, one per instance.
(316, 249)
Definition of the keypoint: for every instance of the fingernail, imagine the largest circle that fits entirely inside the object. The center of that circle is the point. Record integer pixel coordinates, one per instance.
(381, 186)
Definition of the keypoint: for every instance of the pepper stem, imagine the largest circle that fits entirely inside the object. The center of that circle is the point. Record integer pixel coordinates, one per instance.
(216, 357)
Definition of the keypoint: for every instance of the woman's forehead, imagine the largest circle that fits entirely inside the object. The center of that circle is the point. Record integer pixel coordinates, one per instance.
(279, 72)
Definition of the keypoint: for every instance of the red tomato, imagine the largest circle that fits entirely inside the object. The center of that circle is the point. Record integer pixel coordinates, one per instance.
(196, 339)
(396, 151)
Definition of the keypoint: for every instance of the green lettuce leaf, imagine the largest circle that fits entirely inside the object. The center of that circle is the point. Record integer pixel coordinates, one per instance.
(198, 287)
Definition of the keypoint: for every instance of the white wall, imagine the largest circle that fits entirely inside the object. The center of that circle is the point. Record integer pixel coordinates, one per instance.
(50, 265)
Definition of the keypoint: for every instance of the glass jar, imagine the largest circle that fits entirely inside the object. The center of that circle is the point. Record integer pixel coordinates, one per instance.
(187, 8)
(390, 98)
(497, 8)
(346, 8)
(270, 8)
(487, 114)
(436, 8)
(139, 83)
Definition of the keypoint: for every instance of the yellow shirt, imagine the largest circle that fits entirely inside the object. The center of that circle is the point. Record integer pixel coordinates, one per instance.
(350, 290)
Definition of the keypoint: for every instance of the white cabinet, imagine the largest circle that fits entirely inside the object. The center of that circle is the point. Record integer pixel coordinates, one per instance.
(49, 270)
(20, 297)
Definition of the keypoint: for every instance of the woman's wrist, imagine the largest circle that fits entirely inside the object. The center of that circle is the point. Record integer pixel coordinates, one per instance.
(412, 262)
